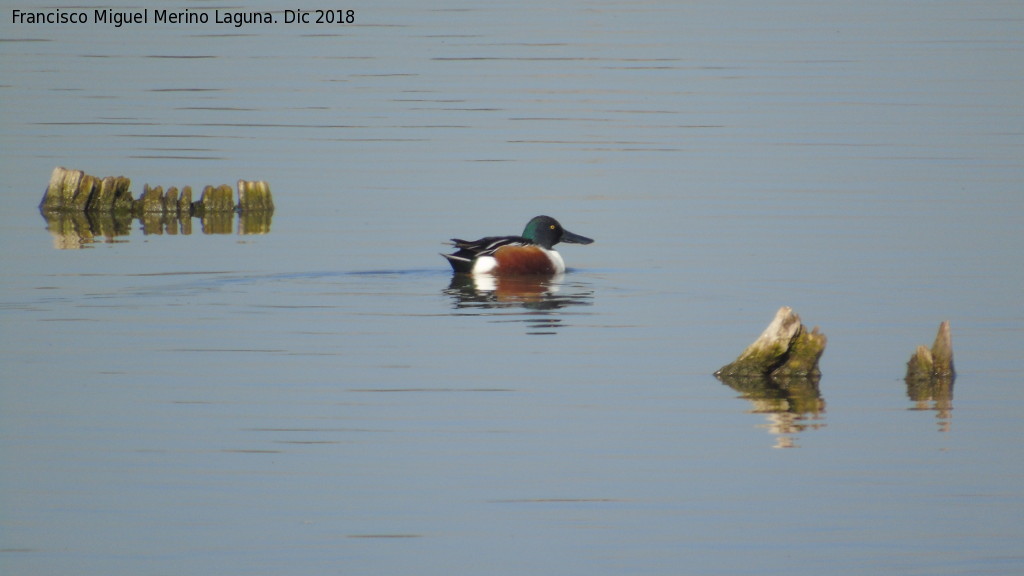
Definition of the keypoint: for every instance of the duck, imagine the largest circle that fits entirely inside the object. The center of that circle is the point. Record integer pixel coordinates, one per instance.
(530, 254)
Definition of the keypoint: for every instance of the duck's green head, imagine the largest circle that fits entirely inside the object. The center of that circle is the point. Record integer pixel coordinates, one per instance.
(545, 231)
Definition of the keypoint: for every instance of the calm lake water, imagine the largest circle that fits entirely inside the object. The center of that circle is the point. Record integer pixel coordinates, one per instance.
(324, 398)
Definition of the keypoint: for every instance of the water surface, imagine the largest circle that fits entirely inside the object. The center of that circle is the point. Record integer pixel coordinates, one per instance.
(325, 398)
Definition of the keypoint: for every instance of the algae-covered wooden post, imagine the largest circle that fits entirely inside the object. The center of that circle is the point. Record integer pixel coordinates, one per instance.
(151, 201)
(785, 349)
(53, 199)
(937, 362)
(76, 191)
(112, 196)
(215, 199)
(171, 201)
(185, 203)
(254, 196)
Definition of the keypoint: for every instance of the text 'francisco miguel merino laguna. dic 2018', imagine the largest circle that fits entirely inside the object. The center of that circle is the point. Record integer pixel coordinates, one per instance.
(118, 18)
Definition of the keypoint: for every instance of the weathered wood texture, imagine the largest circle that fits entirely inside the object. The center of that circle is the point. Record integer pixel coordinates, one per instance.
(254, 196)
(934, 363)
(74, 191)
(785, 349)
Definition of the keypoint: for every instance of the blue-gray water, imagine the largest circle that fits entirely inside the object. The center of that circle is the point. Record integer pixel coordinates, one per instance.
(321, 399)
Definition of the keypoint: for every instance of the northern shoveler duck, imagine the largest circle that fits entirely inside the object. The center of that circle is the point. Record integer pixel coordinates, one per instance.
(530, 253)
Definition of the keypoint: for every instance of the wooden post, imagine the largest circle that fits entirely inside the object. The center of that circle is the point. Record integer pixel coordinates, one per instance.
(254, 196)
(785, 349)
(219, 199)
(151, 201)
(53, 197)
(76, 191)
(185, 203)
(171, 201)
(103, 200)
(937, 362)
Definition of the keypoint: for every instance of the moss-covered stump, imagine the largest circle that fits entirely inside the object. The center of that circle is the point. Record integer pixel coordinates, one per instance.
(786, 349)
(937, 362)
(254, 196)
(112, 196)
(151, 201)
(213, 200)
(185, 202)
(76, 191)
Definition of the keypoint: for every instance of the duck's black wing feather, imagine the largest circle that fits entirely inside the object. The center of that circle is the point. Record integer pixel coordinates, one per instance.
(462, 259)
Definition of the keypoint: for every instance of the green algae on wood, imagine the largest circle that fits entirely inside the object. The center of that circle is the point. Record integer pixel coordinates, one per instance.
(185, 202)
(804, 353)
(254, 196)
(214, 199)
(76, 191)
(112, 196)
(937, 362)
(151, 201)
(785, 349)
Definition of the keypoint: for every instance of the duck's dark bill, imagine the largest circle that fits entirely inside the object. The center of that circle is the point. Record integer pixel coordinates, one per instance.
(575, 238)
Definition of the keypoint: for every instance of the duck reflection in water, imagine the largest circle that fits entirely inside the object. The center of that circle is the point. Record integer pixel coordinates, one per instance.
(531, 292)
(540, 302)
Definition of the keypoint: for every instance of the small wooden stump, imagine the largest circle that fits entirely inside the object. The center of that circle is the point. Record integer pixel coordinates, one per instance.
(185, 202)
(151, 201)
(254, 196)
(112, 196)
(785, 349)
(215, 199)
(934, 363)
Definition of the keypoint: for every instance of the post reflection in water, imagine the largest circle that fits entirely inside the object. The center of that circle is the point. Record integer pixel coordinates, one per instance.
(792, 405)
(937, 390)
(74, 230)
(541, 300)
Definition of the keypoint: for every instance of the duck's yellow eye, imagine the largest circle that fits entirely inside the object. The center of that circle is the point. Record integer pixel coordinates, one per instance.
(552, 226)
